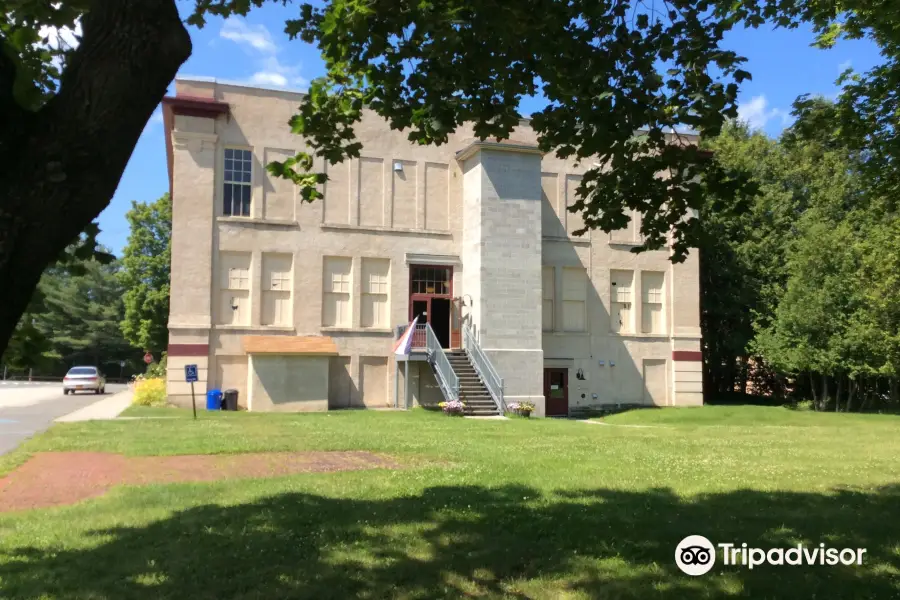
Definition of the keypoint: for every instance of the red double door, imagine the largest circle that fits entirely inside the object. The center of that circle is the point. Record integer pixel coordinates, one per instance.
(431, 299)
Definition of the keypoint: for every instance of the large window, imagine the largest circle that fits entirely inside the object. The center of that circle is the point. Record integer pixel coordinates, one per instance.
(548, 286)
(620, 293)
(337, 289)
(238, 184)
(574, 299)
(276, 289)
(375, 286)
(652, 283)
(234, 288)
(430, 280)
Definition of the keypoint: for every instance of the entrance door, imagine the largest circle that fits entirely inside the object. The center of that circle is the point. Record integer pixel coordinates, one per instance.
(440, 320)
(556, 392)
(431, 293)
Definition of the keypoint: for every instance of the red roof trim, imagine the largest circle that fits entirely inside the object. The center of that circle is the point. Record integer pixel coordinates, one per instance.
(687, 355)
(196, 106)
(188, 350)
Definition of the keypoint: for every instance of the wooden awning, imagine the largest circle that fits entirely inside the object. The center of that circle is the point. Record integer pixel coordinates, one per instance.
(311, 345)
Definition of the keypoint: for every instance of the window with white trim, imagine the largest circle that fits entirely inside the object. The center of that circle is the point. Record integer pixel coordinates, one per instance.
(574, 304)
(375, 292)
(652, 294)
(234, 288)
(621, 288)
(276, 289)
(238, 185)
(337, 289)
(548, 287)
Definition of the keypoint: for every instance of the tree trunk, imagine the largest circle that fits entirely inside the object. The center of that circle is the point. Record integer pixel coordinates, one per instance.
(851, 391)
(824, 391)
(837, 395)
(894, 390)
(867, 397)
(812, 389)
(61, 164)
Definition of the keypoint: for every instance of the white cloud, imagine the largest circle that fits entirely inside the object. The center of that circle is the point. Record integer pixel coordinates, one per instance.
(844, 66)
(271, 71)
(256, 37)
(277, 74)
(757, 114)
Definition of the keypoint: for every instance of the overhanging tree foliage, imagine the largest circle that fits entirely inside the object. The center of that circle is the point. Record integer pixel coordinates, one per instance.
(70, 117)
(73, 318)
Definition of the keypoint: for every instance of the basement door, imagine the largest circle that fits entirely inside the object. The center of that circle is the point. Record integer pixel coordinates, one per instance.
(556, 392)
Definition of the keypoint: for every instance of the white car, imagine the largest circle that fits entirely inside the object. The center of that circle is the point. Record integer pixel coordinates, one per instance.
(84, 379)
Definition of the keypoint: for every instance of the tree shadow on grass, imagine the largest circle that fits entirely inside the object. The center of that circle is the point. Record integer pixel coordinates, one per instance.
(465, 540)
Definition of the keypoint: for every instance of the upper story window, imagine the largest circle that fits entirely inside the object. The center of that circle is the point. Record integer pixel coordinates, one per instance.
(238, 184)
(652, 292)
(548, 291)
(621, 286)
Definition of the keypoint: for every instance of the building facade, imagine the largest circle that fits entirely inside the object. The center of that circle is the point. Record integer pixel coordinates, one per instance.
(296, 305)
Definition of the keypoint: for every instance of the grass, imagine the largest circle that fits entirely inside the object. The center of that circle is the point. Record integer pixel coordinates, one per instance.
(526, 508)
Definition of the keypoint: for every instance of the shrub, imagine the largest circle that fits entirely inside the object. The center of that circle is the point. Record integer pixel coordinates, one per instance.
(521, 408)
(157, 369)
(454, 407)
(149, 392)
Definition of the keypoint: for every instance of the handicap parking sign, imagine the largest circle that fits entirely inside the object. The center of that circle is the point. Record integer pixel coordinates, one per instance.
(190, 373)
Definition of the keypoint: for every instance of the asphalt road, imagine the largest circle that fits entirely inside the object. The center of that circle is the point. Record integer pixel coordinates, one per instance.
(29, 408)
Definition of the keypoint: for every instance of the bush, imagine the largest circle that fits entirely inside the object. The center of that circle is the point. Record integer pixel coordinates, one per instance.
(157, 369)
(453, 408)
(149, 392)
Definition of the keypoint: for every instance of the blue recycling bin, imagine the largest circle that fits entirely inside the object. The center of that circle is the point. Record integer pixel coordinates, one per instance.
(214, 400)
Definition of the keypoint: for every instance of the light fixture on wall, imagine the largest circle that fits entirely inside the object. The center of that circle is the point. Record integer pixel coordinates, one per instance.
(398, 166)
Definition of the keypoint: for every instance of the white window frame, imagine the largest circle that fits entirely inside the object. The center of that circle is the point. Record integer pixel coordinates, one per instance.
(568, 301)
(340, 287)
(375, 288)
(237, 179)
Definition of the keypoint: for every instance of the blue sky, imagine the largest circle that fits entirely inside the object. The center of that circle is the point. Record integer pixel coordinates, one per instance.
(255, 50)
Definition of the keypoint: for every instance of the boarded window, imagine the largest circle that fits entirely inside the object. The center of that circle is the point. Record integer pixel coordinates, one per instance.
(336, 287)
(574, 306)
(621, 298)
(548, 285)
(234, 288)
(652, 294)
(276, 289)
(375, 292)
(629, 233)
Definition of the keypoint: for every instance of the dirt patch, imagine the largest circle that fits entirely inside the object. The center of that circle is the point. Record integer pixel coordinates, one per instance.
(59, 478)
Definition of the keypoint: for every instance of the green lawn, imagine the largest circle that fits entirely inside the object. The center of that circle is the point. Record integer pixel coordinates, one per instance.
(519, 509)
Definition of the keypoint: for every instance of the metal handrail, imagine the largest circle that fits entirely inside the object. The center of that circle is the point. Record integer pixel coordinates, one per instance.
(446, 376)
(492, 380)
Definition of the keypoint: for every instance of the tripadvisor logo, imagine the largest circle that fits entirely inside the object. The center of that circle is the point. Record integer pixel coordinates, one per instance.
(696, 555)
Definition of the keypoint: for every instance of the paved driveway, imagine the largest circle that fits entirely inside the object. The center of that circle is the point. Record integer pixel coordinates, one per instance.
(29, 408)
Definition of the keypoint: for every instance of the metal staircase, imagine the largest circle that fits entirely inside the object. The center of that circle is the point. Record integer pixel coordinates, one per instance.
(465, 374)
(472, 391)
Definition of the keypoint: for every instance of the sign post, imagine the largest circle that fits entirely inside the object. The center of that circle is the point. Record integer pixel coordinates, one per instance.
(190, 375)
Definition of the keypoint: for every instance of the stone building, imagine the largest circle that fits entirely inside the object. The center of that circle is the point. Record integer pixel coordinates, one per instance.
(297, 305)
